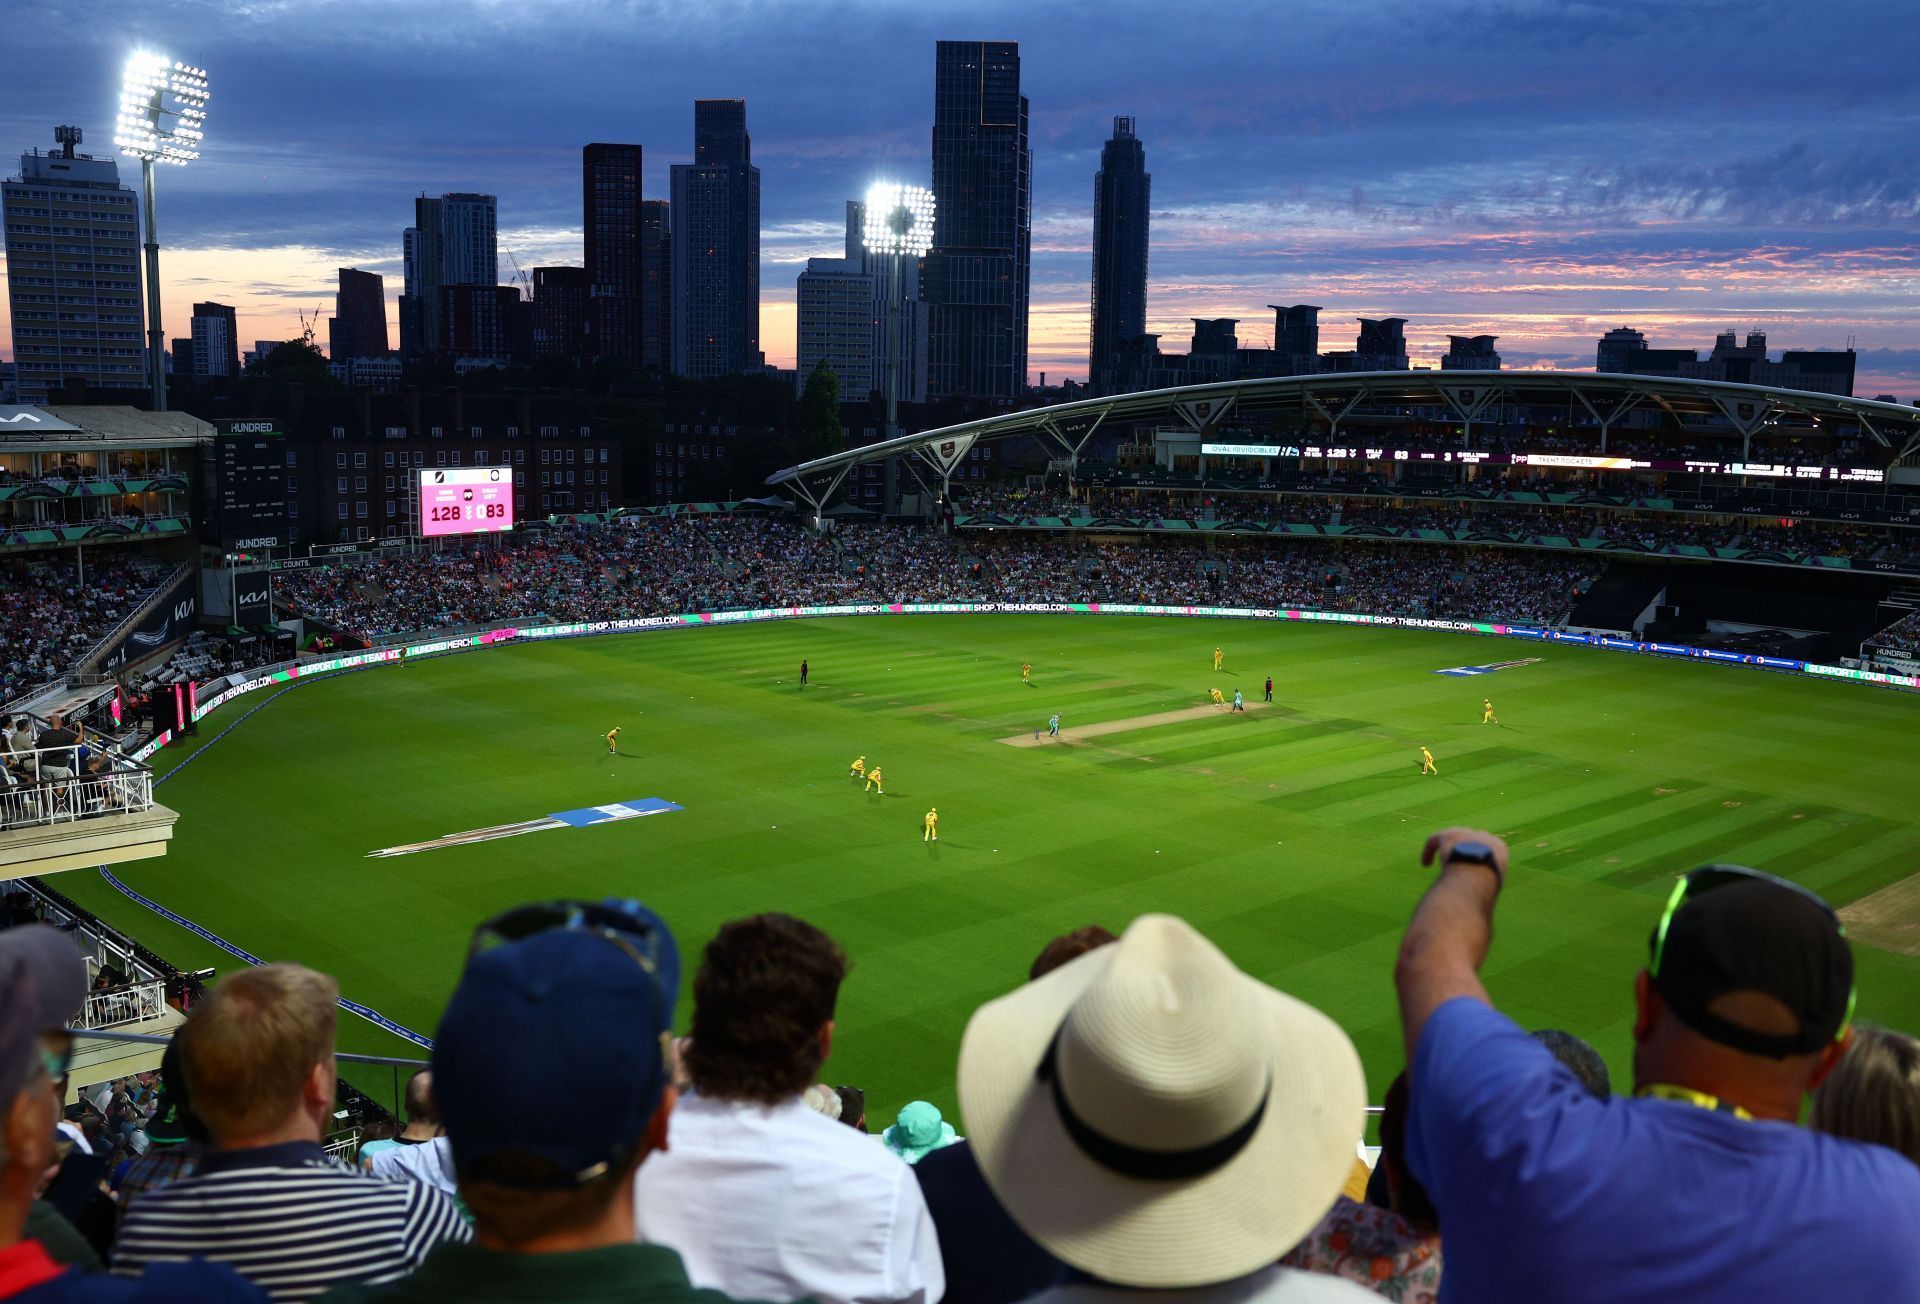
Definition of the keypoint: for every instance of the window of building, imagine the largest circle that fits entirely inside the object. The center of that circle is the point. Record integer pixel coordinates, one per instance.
(341, 510)
(439, 457)
(340, 484)
(360, 510)
(359, 459)
(390, 481)
(389, 457)
(359, 484)
(340, 461)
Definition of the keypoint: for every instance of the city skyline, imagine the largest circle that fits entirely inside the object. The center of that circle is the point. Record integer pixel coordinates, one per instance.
(1563, 173)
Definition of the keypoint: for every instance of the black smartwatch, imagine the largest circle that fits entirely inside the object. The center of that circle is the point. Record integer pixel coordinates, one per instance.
(1474, 853)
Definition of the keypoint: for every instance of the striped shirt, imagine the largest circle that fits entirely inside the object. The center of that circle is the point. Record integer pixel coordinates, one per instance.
(289, 1220)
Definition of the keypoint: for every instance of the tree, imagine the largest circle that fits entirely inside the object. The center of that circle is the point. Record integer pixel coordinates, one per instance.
(818, 433)
(293, 360)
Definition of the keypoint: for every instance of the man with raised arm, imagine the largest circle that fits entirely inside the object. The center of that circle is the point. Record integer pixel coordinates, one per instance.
(1698, 1187)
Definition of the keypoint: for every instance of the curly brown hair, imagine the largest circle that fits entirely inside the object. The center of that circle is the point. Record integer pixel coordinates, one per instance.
(766, 987)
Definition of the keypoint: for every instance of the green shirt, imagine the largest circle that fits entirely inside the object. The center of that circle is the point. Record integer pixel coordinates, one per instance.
(646, 1274)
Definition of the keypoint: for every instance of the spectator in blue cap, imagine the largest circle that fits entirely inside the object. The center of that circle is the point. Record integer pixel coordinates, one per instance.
(550, 1074)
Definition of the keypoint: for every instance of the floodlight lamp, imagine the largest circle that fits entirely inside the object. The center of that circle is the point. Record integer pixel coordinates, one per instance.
(148, 84)
(899, 219)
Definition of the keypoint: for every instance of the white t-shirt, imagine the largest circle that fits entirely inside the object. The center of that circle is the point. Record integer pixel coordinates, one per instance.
(775, 1202)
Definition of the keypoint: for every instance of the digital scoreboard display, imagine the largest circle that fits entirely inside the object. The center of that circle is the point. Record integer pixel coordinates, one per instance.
(469, 500)
(250, 489)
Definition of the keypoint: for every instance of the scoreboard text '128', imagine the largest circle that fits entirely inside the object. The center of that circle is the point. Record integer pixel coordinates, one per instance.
(466, 500)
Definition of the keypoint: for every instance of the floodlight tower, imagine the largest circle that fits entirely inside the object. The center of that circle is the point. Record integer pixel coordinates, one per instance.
(898, 227)
(153, 90)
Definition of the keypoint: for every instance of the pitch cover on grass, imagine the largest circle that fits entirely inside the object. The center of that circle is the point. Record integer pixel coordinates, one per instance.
(566, 819)
(1487, 669)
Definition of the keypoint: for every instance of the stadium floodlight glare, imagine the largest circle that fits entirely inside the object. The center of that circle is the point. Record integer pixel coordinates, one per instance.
(899, 219)
(163, 116)
(163, 109)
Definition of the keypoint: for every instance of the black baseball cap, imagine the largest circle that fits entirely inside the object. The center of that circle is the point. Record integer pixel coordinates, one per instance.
(1730, 929)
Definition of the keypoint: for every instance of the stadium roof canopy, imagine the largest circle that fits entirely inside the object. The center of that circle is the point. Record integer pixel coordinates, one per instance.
(1590, 399)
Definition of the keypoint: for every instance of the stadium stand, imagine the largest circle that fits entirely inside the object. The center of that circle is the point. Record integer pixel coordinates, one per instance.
(50, 619)
(655, 567)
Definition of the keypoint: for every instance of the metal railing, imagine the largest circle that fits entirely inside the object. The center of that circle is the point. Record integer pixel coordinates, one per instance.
(130, 1004)
(98, 652)
(43, 786)
(399, 1068)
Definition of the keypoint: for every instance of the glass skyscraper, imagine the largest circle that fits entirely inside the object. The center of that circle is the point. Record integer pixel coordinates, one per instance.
(715, 274)
(1122, 203)
(611, 185)
(977, 274)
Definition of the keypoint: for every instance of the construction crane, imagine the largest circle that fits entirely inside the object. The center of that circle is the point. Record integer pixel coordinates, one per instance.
(520, 275)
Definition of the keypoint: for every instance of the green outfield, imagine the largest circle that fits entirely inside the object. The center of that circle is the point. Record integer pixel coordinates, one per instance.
(1289, 834)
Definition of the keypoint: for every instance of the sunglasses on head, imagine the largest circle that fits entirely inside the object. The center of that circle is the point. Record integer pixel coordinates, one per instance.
(1708, 877)
(624, 926)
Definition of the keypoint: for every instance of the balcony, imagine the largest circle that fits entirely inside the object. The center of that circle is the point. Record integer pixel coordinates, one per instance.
(53, 819)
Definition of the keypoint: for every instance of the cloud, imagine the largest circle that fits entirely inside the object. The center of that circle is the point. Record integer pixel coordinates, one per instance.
(1540, 169)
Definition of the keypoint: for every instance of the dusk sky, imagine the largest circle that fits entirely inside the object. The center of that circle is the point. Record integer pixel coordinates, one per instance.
(1542, 170)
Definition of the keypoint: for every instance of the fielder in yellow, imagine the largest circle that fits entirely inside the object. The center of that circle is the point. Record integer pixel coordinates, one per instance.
(1486, 711)
(1026, 672)
(858, 769)
(1219, 658)
(1426, 762)
(1214, 695)
(930, 826)
(613, 741)
(873, 781)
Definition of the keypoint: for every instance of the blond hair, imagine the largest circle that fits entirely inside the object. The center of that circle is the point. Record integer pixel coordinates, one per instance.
(249, 1046)
(1874, 1092)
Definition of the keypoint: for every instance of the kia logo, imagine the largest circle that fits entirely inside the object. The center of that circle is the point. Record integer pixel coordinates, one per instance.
(253, 599)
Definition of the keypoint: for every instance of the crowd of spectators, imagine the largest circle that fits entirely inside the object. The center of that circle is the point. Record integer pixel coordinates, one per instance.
(1645, 529)
(654, 568)
(1139, 1114)
(1897, 639)
(50, 617)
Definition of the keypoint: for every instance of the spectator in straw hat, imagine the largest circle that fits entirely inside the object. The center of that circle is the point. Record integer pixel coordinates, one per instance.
(989, 1259)
(1158, 1120)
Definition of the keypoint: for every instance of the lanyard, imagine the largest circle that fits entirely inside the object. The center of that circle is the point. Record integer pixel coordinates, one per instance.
(1688, 1096)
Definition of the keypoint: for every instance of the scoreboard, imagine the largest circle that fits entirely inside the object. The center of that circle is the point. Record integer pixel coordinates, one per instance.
(466, 500)
(250, 489)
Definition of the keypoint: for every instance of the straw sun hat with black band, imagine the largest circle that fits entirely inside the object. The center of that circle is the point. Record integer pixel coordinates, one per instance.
(1156, 1118)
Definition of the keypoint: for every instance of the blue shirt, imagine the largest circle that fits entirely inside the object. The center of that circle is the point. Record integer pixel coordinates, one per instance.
(1547, 1194)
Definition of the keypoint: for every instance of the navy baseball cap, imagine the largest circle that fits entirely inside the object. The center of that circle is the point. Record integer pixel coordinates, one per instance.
(551, 1057)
